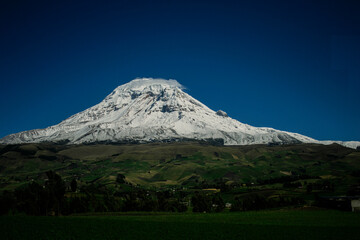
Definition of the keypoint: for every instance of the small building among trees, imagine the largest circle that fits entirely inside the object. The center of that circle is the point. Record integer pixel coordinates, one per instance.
(355, 205)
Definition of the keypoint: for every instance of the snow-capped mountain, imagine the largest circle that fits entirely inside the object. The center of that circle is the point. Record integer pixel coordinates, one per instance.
(148, 109)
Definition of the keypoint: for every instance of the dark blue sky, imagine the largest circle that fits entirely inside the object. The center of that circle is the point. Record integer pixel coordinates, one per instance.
(290, 65)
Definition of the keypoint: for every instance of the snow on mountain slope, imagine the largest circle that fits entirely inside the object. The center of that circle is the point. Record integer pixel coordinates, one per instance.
(148, 109)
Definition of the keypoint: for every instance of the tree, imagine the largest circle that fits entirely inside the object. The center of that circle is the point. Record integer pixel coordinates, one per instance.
(237, 206)
(73, 185)
(31, 199)
(201, 202)
(309, 188)
(55, 189)
(218, 203)
(7, 202)
(120, 178)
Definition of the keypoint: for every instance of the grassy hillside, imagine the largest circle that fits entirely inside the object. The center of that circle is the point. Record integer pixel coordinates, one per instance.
(186, 164)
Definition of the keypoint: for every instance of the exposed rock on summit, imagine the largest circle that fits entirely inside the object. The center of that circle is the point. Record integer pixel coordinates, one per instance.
(221, 113)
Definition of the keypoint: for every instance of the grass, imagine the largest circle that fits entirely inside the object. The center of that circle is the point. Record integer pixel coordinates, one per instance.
(280, 224)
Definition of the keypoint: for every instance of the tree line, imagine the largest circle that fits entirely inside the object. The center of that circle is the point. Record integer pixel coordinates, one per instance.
(259, 202)
(54, 197)
(51, 198)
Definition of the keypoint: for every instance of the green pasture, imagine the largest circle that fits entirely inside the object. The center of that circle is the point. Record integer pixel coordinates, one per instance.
(279, 224)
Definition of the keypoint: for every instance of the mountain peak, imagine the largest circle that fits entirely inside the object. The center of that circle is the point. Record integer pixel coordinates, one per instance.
(155, 109)
(139, 84)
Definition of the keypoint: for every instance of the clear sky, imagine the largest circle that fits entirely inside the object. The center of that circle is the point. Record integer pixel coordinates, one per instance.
(291, 65)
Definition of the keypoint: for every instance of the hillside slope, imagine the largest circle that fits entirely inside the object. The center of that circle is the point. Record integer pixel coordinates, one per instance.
(187, 164)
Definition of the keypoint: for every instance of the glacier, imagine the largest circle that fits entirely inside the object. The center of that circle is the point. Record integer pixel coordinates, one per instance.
(154, 109)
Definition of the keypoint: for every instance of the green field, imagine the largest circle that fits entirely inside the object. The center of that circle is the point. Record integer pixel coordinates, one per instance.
(279, 224)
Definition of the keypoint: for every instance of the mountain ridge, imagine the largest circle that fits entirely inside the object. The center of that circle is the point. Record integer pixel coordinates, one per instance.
(148, 110)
